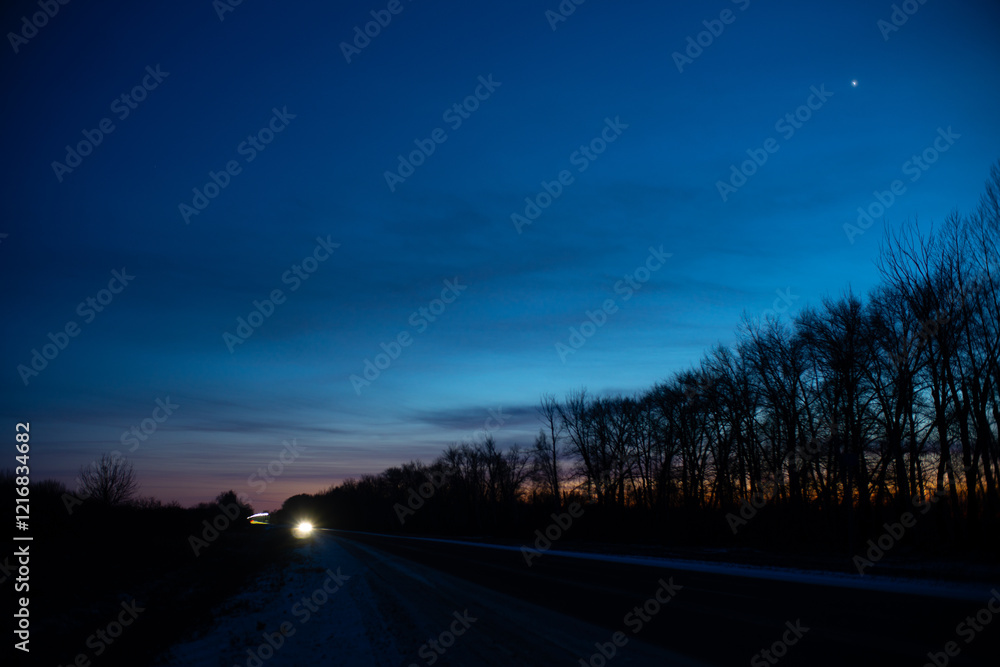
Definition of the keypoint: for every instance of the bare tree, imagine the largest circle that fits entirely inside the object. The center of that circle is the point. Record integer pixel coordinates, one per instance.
(110, 481)
(546, 451)
(230, 498)
(574, 413)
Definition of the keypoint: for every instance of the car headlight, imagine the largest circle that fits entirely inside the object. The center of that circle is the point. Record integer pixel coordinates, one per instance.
(304, 528)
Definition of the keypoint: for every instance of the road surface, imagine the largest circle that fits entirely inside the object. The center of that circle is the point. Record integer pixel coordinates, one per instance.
(362, 599)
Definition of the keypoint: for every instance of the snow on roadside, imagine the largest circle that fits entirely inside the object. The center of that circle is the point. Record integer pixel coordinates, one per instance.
(306, 613)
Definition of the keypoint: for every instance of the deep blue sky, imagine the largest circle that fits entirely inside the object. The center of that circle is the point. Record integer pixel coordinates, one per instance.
(493, 347)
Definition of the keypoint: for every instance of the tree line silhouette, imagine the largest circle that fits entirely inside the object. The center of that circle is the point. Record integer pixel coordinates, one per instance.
(829, 423)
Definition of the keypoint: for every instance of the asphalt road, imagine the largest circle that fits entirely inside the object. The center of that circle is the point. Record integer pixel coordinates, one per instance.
(716, 618)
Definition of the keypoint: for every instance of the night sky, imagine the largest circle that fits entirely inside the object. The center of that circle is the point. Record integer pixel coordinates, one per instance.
(455, 194)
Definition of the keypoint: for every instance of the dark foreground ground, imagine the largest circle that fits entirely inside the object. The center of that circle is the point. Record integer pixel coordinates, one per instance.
(116, 588)
(728, 620)
(364, 599)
